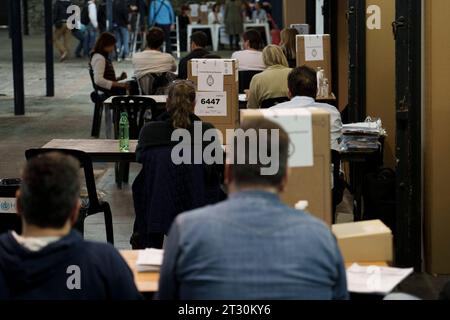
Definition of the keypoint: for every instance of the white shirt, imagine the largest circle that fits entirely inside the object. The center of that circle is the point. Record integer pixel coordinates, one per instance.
(34, 244)
(98, 63)
(93, 14)
(249, 60)
(152, 61)
(213, 20)
(307, 102)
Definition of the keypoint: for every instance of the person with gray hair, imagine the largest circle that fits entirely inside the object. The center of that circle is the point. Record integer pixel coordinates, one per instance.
(252, 246)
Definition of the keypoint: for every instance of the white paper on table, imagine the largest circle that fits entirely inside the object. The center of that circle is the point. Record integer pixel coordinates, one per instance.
(211, 104)
(210, 82)
(8, 205)
(298, 124)
(314, 47)
(194, 10)
(374, 279)
(149, 260)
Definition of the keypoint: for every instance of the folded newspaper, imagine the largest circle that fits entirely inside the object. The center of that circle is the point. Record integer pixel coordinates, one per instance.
(374, 279)
(149, 260)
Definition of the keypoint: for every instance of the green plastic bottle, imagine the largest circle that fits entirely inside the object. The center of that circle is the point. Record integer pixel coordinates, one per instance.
(124, 133)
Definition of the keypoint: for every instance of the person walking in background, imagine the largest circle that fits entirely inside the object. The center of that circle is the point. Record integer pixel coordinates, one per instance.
(234, 24)
(89, 19)
(60, 17)
(183, 21)
(161, 15)
(101, 16)
(79, 32)
(121, 26)
(289, 45)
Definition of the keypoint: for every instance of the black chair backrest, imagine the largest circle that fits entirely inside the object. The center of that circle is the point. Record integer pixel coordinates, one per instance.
(269, 103)
(245, 78)
(9, 221)
(85, 164)
(155, 83)
(136, 107)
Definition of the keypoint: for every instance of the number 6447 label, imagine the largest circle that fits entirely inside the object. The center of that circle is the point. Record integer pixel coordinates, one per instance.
(211, 104)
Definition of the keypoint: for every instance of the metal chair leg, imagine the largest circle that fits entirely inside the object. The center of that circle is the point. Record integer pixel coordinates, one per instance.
(108, 223)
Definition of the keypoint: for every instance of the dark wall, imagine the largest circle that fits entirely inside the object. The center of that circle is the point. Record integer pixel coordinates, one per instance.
(277, 11)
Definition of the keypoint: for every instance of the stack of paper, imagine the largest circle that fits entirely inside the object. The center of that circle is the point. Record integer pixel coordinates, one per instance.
(149, 260)
(375, 280)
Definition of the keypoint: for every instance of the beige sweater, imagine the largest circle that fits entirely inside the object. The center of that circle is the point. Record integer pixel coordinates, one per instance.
(272, 83)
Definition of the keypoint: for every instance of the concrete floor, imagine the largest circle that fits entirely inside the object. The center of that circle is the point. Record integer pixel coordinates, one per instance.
(69, 115)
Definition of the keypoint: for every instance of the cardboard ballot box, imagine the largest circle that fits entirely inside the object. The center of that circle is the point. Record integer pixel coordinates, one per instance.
(366, 241)
(217, 86)
(310, 156)
(315, 51)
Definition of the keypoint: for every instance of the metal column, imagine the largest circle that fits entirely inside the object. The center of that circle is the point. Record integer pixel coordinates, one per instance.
(15, 29)
(49, 68)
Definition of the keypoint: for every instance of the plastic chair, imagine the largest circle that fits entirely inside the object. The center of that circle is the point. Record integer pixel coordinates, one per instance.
(155, 83)
(245, 78)
(97, 98)
(94, 204)
(140, 110)
(269, 103)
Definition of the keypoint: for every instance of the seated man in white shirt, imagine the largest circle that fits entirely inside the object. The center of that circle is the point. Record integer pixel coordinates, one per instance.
(152, 60)
(250, 59)
(302, 83)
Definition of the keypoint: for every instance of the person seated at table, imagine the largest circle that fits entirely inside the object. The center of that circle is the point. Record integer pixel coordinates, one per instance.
(50, 260)
(289, 45)
(215, 16)
(250, 59)
(164, 189)
(302, 84)
(152, 60)
(104, 74)
(259, 14)
(252, 246)
(199, 41)
(272, 82)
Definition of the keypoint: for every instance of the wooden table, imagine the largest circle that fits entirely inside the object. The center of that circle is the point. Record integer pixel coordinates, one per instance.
(146, 282)
(98, 149)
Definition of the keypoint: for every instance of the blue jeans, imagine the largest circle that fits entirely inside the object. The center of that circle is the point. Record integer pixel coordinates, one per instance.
(79, 35)
(89, 39)
(123, 41)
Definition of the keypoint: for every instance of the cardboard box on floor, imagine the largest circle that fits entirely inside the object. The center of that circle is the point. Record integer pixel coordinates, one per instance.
(325, 64)
(312, 184)
(365, 241)
(231, 87)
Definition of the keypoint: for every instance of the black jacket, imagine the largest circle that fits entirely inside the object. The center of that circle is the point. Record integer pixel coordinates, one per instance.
(183, 67)
(120, 13)
(44, 275)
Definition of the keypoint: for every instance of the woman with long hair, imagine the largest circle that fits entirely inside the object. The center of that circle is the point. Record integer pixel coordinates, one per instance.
(104, 74)
(289, 45)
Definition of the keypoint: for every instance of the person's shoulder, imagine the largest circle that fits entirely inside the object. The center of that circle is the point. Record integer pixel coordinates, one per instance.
(101, 252)
(204, 215)
(327, 106)
(306, 221)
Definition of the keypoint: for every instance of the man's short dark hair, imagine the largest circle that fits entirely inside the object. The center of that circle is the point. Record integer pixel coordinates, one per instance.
(155, 38)
(200, 39)
(302, 81)
(254, 38)
(50, 190)
(249, 175)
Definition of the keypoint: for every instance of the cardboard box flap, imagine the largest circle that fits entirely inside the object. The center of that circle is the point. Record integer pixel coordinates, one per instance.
(360, 229)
